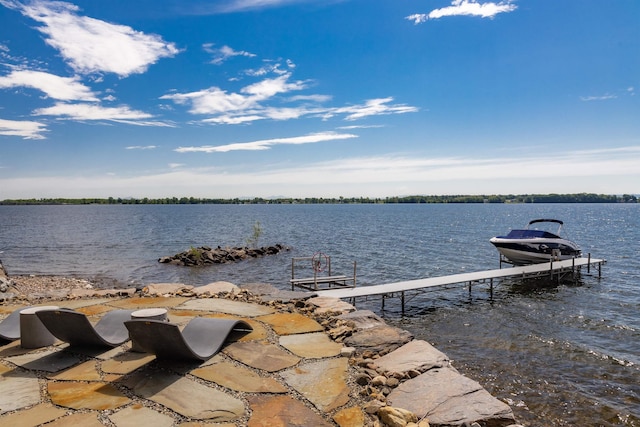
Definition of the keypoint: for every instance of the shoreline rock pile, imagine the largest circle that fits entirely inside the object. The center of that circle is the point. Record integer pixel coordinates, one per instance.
(205, 255)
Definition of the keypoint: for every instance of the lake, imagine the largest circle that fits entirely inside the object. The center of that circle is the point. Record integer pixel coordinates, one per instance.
(561, 354)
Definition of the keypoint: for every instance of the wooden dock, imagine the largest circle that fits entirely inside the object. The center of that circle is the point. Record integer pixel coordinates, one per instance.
(557, 268)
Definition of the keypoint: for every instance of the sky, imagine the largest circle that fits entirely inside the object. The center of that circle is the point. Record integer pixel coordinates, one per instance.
(318, 98)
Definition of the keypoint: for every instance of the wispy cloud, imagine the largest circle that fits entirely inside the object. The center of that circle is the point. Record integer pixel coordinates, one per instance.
(372, 107)
(597, 98)
(246, 5)
(23, 128)
(215, 100)
(56, 87)
(250, 104)
(266, 144)
(93, 46)
(91, 112)
(141, 147)
(466, 8)
(220, 55)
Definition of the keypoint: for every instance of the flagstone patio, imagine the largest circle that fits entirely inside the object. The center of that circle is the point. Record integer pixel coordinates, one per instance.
(262, 376)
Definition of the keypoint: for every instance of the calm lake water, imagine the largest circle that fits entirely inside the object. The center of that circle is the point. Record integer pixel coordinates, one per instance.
(561, 354)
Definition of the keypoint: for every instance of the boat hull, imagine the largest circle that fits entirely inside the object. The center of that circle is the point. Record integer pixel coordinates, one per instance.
(533, 251)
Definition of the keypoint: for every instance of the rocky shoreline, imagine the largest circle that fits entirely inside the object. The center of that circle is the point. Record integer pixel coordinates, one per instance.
(396, 381)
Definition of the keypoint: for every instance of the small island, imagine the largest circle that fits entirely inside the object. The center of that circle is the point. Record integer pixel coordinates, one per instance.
(205, 255)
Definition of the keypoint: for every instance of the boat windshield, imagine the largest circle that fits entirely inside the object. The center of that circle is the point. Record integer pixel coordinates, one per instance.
(530, 234)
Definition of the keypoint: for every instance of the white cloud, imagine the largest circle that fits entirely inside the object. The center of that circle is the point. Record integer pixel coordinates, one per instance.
(466, 8)
(141, 147)
(248, 106)
(215, 100)
(372, 107)
(225, 52)
(597, 98)
(90, 45)
(269, 68)
(56, 87)
(91, 112)
(25, 129)
(245, 5)
(266, 144)
(312, 98)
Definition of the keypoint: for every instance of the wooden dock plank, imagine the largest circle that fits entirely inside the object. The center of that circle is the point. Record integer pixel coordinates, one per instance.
(478, 276)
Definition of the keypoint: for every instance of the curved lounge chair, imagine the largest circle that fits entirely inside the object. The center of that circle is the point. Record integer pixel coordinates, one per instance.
(74, 327)
(200, 340)
(10, 326)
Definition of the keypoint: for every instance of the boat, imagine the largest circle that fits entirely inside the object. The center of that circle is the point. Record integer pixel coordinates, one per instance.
(532, 246)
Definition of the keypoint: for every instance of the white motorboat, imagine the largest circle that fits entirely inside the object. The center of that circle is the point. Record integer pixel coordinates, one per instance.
(532, 245)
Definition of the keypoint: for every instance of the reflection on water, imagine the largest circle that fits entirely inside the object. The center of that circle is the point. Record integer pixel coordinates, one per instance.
(562, 354)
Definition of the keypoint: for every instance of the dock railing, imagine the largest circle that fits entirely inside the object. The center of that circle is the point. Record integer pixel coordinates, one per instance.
(317, 274)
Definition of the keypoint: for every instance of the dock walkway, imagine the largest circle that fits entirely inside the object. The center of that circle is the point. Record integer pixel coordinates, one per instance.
(535, 270)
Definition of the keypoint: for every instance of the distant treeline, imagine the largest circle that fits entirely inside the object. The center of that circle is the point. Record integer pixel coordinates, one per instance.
(510, 198)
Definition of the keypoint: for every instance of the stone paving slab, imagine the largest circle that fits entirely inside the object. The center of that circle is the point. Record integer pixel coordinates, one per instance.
(94, 395)
(49, 360)
(227, 306)
(291, 323)
(137, 415)
(261, 355)
(324, 382)
(17, 389)
(135, 303)
(185, 396)
(282, 411)
(238, 378)
(87, 371)
(83, 419)
(125, 363)
(316, 345)
(39, 414)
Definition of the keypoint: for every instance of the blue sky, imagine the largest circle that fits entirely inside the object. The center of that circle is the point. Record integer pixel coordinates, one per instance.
(318, 98)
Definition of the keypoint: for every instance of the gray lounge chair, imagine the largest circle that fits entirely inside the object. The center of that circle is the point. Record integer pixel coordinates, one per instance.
(74, 327)
(200, 340)
(10, 326)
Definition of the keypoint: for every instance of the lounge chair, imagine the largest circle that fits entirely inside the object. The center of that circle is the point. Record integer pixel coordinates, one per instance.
(200, 340)
(74, 327)
(10, 326)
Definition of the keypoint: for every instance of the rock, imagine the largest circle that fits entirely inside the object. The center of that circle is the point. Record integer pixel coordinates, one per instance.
(373, 406)
(3, 272)
(379, 380)
(362, 319)
(447, 397)
(396, 417)
(330, 305)
(379, 338)
(415, 355)
(347, 351)
(164, 288)
(216, 288)
(349, 417)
